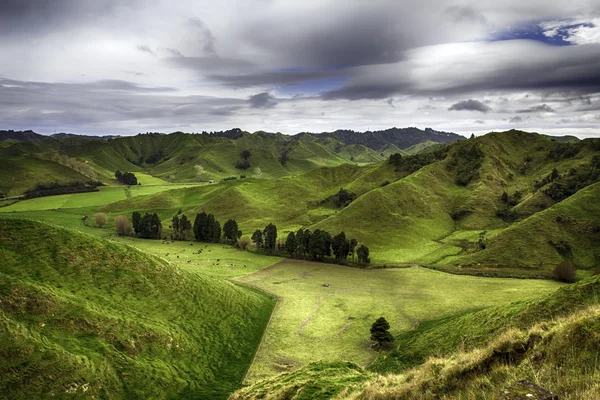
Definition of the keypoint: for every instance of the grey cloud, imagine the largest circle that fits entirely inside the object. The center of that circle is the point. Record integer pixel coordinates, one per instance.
(262, 100)
(205, 36)
(51, 106)
(540, 108)
(470, 105)
(479, 121)
(174, 52)
(390, 102)
(209, 64)
(460, 14)
(146, 49)
(515, 120)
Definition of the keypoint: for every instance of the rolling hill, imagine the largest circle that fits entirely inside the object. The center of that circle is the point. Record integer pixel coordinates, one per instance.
(86, 317)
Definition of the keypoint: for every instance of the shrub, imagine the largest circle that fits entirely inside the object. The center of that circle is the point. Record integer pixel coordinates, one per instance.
(100, 219)
(243, 243)
(564, 272)
(123, 226)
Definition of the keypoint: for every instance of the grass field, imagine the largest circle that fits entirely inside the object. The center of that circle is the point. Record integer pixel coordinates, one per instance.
(106, 195)
(215, 259)
(312, 322)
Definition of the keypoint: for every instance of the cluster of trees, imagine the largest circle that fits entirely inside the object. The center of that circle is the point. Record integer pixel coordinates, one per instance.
(181, 226)
(467, 161)
(343, 198)
(207, 228)
(149, 226)
(127, 178)
(56, 188)
(316, 245)
(562, 151)
(244, 162)
(570, 183)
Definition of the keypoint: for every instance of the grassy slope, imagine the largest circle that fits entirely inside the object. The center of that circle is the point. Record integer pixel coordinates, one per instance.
(83, 315)
(551, 340)
(312, 322)
(24, 172)
(527, 243)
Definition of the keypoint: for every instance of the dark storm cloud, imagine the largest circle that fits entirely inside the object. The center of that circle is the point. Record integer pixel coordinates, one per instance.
(470, 105)
(356, 36)
(33, 17)
(262, 100)
(540, 108)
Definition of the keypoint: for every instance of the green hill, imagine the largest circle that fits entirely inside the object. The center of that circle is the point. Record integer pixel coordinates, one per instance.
(86, 317)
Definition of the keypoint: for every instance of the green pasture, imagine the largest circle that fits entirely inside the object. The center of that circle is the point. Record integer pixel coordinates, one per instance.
(315, 322)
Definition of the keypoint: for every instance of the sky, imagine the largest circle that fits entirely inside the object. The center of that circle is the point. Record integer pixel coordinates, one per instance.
(122, 67)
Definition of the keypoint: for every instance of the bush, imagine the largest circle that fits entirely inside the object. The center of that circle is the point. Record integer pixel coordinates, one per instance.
(565, 272)
(243, 243)
(100, 219)
(123, 226)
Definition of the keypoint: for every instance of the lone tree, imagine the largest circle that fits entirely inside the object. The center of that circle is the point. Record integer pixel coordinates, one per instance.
(100, 219)
(150, 226)
(123, 226)
(380, 332)
(363, 254)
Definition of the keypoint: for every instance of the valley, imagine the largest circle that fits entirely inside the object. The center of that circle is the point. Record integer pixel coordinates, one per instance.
(464, 236)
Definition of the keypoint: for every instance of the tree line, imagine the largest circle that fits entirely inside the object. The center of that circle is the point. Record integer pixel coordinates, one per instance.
(315, 245)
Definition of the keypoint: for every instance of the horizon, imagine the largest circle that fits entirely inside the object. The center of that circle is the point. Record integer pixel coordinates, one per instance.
(117, 68)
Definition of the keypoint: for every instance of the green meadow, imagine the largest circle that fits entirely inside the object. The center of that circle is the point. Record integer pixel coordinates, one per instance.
(324, 311)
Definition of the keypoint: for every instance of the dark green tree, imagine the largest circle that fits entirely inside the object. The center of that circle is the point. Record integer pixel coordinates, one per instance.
(290, 244)
(319, 244)
(340, 247)
(150, 226)
(305, 241)
(270, 237)
(180, 227)
(135, 221)
(299, 244)
(207, 228)
(118, 175)
(230, 230)
(380, 332)
(363, 254)
(257, 238)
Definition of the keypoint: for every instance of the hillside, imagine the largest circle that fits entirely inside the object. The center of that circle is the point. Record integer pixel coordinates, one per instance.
(85, 317)
(552, 341)
(173, 157)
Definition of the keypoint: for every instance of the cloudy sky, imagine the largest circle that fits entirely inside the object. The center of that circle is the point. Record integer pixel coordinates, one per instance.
(129, 66)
